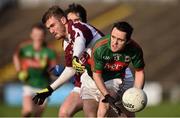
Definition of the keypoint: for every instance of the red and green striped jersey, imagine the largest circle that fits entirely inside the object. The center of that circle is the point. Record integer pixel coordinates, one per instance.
(113, 64)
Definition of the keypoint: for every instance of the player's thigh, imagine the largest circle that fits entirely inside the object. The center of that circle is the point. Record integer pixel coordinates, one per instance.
(27, 104)
(90, 107)
(72, 104)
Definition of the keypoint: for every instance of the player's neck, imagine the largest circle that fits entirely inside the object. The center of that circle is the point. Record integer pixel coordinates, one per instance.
(37, 46)
(66, 27)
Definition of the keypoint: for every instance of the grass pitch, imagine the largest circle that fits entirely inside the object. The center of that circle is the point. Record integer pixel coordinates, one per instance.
(163, 110)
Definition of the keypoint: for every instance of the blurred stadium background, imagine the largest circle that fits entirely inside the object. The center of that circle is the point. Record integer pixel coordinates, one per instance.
(156, 27)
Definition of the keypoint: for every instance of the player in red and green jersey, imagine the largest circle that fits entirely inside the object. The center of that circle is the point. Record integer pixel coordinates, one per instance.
(38, 76)
(113, 64)
(32, 60)
(111, 56)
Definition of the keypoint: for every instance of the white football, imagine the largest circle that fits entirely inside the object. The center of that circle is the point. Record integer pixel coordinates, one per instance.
(134, 99)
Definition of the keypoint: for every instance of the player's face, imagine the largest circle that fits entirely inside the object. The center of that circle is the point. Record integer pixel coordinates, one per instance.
(37, 35)
(118, 40)
(56, 27)
(73, 16)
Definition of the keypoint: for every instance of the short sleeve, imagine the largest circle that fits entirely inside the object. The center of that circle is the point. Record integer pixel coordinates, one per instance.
(138, 60)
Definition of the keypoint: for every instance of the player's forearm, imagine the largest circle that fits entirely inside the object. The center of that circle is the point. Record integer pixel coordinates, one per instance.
(139, 79)
(64, 77)
(100, 83)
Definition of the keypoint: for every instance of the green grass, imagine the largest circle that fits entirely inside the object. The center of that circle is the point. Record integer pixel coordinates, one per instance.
(162, 110)
(8, 111)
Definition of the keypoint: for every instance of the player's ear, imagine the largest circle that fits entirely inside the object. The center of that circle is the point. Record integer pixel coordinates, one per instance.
(64, 20)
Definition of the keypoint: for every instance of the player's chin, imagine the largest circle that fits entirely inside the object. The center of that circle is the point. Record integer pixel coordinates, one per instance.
(114, 49)
(58, 37)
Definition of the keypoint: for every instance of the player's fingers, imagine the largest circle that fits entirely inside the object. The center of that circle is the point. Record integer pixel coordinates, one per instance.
(83, 67)
(41, 101)
(38, 102)
(35, 99)
(116, 109)
(80, 71)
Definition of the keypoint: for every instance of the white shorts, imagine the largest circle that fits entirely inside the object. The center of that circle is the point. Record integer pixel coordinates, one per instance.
(76, 89)
(89, 89)
(29, 91)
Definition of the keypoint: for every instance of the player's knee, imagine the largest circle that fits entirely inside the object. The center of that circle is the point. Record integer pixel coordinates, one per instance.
(90, 112)
(26, 113)
(102, 112)
(38, 113)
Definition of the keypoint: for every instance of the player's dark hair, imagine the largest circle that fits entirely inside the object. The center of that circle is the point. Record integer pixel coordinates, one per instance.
(125, 27)
(54, 11)
(77, 8)
(40, 26)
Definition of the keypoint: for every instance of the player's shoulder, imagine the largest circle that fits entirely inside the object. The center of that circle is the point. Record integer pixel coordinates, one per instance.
(48, 48)
(24, 44)
(134, 46)
(49, 52)
(102, 42)
(80, 27)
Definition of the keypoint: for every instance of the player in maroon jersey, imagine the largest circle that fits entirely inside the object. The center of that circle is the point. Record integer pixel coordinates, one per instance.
(78, 37)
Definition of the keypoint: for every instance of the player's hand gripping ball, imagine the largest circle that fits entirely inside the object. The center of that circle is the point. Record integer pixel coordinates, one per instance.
(134, 99)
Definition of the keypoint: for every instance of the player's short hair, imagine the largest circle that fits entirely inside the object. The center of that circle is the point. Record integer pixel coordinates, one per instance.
(54, 11)
(39, 26)
(77, 8)
(125, 27)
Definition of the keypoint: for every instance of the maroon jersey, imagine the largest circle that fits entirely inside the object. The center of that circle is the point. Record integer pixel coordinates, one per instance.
(80, 37)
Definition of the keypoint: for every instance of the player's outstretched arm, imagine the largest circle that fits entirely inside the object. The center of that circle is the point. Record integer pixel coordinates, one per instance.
(66, 75)
(139, 79)
(16, 60)
(40, 96)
